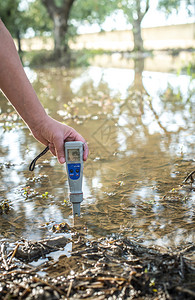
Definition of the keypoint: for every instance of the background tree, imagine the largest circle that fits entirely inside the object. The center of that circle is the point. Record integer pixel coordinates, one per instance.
(134, 11)
(62, 17)
(97, 11)
(59, 11)
(20, 18)
(14, 19)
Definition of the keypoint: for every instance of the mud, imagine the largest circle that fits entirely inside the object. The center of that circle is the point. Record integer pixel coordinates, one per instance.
(100, 269)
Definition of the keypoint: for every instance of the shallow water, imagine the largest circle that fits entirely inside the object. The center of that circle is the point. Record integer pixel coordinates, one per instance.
(140, 130)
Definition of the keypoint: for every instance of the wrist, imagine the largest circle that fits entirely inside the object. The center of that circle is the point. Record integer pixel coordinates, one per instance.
(37, 121)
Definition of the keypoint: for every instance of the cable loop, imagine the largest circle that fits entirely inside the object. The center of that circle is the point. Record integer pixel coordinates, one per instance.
(32, 165)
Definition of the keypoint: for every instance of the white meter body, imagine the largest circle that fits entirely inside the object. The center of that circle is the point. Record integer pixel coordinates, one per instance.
(74, 168)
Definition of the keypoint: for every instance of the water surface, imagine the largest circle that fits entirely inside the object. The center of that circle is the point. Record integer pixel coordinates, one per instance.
(140, 128)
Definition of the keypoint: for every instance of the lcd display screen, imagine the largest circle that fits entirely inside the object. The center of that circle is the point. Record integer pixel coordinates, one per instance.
(73, 155)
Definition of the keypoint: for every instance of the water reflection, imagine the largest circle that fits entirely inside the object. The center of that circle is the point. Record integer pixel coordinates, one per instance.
(139, 125)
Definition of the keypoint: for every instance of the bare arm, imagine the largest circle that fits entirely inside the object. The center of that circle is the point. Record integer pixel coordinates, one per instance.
(15, 84)
(17, 88)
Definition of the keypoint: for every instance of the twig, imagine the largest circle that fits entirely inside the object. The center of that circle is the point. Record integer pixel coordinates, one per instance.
(182, 266)
(167, 293)
(69, 289)
(25, 292)
(189, 177)
(112, 279)
(15, 272)
(36, 279)
(187, 249)
(13, 254)
(187, 291)
(4, 256)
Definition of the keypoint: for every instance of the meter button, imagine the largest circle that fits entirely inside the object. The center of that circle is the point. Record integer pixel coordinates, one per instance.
(74, 171)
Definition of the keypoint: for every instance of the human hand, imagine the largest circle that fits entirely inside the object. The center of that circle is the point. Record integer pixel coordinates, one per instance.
(53, 134)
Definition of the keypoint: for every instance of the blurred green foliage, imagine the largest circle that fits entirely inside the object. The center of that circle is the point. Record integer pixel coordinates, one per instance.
(170, 6)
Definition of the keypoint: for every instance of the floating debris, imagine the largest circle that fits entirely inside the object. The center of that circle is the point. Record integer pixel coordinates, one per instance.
(29, 250)
(62, 227)
(4, 207)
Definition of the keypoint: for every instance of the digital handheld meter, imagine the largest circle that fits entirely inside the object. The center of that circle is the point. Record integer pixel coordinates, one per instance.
(74, 168)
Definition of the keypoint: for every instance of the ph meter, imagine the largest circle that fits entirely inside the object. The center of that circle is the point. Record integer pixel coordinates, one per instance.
(74, 168)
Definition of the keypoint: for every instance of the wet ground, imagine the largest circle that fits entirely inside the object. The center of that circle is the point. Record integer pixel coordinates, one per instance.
(139, 124)
(140, 130)
(99, 269)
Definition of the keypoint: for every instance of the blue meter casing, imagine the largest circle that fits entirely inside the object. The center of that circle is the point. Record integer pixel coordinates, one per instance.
(74, 167)
(74, 171)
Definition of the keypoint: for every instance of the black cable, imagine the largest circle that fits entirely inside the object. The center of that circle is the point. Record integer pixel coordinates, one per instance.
(32, 165)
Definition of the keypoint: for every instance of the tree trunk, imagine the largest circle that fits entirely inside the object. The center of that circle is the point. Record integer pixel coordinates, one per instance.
(137, 36)
(19, 41)
(138, 41)
(60, 16)
(60, 30)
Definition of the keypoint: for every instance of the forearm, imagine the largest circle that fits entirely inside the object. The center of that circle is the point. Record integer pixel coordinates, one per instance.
(17, 88)
(15, 84)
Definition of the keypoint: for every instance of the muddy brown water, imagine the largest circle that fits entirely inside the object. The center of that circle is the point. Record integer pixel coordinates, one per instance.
(140, 130)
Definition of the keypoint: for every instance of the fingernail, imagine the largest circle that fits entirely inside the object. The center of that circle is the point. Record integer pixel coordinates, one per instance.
(62, 160)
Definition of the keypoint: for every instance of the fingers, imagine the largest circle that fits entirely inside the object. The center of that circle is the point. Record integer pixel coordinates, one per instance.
(52, 149)
(57, 134)
(79, 137)
(86, 151)
(59, 150)
(58, 146)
